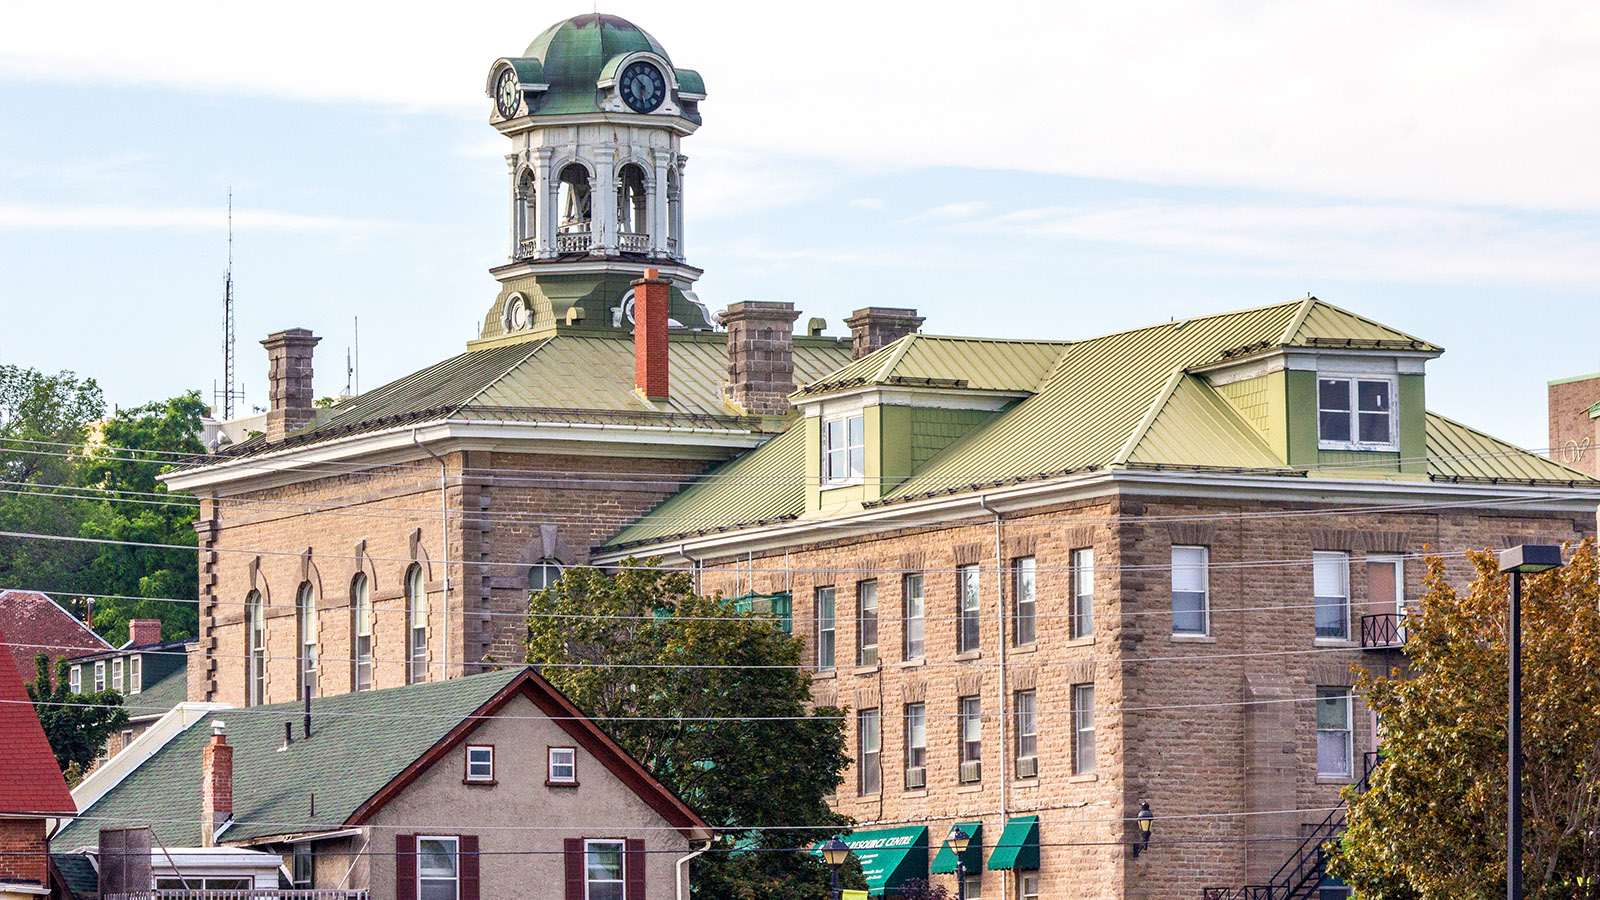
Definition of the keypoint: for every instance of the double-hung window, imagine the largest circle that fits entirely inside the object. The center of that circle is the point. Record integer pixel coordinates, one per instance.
(1333, 732)
(916, 746)
(480, 763)
(255, 650)
(438, 868)
(971, 725)
(844, 450)
(914, 615)
(1082, 728)
(1025, 628)
(303, 873)
(116, 674)
(867, 623)
(825, 627)
(1191, 609)
(361, 634)
(967, 621)
(135, 673)
(1027, 710)
(602, 870)
(99, 675)
(563, 765)
(1331, 589)
(416, 627)
(1027, 886)
(1386, 600)
(869, 728)
(306, 606)
(1355, 413)
(1082, 593)
(75, 680)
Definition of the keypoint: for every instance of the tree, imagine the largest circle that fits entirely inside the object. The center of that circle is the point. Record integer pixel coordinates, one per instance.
(1432, 823)
(76, 725)
(663, 697)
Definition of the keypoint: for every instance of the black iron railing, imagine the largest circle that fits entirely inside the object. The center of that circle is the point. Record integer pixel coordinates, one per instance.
(1382, 631)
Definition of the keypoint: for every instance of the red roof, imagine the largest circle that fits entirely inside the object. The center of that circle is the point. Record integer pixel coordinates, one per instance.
(30, 780)
(37, 624)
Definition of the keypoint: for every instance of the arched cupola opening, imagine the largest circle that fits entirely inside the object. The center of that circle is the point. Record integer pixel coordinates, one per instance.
(527, 215)
(633, 209)
(577, 209)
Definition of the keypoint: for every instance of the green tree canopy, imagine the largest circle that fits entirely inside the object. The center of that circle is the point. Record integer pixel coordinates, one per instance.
(76, 725)
(1432, 824)
(661, 645)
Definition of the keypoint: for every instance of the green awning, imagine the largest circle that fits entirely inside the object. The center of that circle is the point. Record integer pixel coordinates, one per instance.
(889, 857)
(1018, 847)
(945, 861)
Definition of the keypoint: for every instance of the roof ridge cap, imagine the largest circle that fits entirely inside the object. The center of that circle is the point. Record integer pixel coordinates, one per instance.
(1299, 320)
(1202, 318)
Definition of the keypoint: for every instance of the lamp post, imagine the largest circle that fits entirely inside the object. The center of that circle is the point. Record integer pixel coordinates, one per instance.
(957, 841)
(1145, 819)
(1523, 559)
(835, 852)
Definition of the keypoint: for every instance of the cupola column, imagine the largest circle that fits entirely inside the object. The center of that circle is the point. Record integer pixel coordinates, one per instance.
(516, 204)
(659, 204)
(547, 193)
(603, 214)
(677, 211)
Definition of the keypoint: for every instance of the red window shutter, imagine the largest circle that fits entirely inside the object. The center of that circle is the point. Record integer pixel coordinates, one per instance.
(574, 855)
(633, 870)
(469, 867)
(405, 867)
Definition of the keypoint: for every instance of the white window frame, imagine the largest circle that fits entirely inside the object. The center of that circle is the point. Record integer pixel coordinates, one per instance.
(99, 675)
(116, 674)
(974, 886)
(416, 626)
(361, 633)
(622, 867)
(867, 620)
(1083, 729)
(1399, 562)
(869, 752)
(970, 733)
(135, 673)
(75, 680)
(1205, 589)
(306, 616)
(846, 452)
(564, 757)
(1083, 593)
(454, 842)
(969, 621)
(1026, 708)
(1024, 599)
(1330, 692)
(827, 627)
(1326, 594)
(916, 735)
(485, 753)
(1028, 886)
(1352, 382)
(255, 664)
(915, 624)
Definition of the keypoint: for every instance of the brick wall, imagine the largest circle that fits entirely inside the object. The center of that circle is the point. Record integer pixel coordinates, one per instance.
(1572, 432)
(22, 851)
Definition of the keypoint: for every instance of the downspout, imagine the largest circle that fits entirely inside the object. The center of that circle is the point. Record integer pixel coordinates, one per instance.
(444, 557)
(1000, 619)
(683, 870)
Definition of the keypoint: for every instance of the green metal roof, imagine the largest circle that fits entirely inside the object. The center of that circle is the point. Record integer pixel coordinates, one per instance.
(945, 861)
(918, 360)
(889, 856)
(1018, 847)
(1457, 452)
(359, 743)
(1189, 425)
(573, 55)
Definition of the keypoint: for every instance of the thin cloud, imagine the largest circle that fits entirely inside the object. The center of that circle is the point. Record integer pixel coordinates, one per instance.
(24, 217)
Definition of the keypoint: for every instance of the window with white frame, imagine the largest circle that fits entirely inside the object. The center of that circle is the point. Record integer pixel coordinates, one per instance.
(915, 616)
(1027, 886)
(867, 623)
(967, 621)
(1027, 712)
(135, 673)
(303, 870)
(1082, 728)
(563, 765)
(1191, 610)
(869, 729)
(306, 608)
(116, 674)
(361, 633)
(603, 870)
(75, 679)
(1356, 413)
(916, 741)
(416, 627)
(844, 450)
(1386, 590)
(1331, 590)
(544, 574)
(1083, 593)
(972, 886)
(1024, 629)
(255, 682)
(438, 868)
(99, 675)
(1333, 732)
(826, 627)
(480, 763)
(971, 724)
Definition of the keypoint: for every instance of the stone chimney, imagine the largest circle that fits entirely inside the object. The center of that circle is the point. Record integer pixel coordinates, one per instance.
(216, 786)
(289, 381)
(875, 326)
(760, 356)
(1572, 432)
(144, 631)
(650, 296)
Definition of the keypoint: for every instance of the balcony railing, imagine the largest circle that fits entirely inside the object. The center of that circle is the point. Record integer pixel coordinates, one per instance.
(629, 242)
(1383, 631)
(256, 894)
(527, 248)
(573, 241)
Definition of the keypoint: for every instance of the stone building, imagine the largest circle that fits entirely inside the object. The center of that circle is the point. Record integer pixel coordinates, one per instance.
(1574, 406)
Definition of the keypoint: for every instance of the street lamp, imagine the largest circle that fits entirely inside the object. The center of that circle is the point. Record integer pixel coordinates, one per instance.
(957, 841)
(1523, 559)
(835, 852)
(1144, 819)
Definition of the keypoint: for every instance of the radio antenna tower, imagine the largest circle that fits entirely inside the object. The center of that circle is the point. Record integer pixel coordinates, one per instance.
(228, 394)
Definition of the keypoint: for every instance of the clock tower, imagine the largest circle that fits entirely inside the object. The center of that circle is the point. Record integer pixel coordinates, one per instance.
(596, 113)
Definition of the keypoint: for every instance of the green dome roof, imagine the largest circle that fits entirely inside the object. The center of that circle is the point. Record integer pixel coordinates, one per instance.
(574, 52)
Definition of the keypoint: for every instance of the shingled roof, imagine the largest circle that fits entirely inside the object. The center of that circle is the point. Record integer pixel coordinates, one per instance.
(37, 624)
(30, 781)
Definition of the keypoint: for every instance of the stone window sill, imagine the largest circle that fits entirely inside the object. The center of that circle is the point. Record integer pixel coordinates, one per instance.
(1338, 642)
(865, 670)
(1024, 784)
(920, 792)
(1080, 642)
(1088, 776)
(1025, 648)
(1335, 779)
(972, 788)
(913, 663)
(824, 673)
(1194, 639)
(870, 798)
(970, 654)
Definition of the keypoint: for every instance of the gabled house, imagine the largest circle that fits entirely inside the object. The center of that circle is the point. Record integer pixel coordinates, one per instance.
(33, 795)
(151, 674)
(474, 786)
(38, 624)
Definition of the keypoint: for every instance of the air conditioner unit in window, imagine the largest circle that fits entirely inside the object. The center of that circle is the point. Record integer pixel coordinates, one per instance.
(1027, 767)
(971, 771)
(869, 656)
(916, 778)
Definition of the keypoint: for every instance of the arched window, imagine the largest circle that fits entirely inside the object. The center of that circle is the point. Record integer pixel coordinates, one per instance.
(674, 212)
(544, 574)
(631, 201)
(255, 653)
(527, 216)
(576, 201)
(360, 634)
(417, 627)
(306, 614)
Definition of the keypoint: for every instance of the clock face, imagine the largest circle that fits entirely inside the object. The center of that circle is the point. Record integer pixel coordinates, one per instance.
(506, 95)
(643, 87)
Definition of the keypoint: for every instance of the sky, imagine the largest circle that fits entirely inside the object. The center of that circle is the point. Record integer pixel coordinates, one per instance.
(1055, 170)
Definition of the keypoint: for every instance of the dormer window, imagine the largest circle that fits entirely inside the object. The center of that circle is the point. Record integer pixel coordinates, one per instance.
(844, 450)
(1356, 413)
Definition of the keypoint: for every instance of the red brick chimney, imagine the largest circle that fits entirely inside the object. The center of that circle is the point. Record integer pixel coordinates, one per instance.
(144, 631)
(216, 786)
(289, 381)
(650, 295)
(875, 326)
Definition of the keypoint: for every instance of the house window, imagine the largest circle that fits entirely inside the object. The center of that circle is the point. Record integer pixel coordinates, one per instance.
(867, 623)
(1333, 732)
(306, 607)
(916, 746)
(844, 450)
(480, 763)
(1356, 413)
(602, 871)
(1083, 728)
(971, 725)
(544, 574)
(1024, 629)
(914, 616)
(972, 887)
(116, 674)
(967, 622)
(127, 738)
(361, 633)
(135, 673)
(417, 627)
(563, 765)
(1082, 593)
(255, 660)
(438, 871)
(1331, 588)
(303, 867)
(825, 627)
(1028, 886)
(1027, 704)
(869, 728)
(99, 675)
(203, 884)
(75, 679)
(1386, 585)
(1191, 612)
